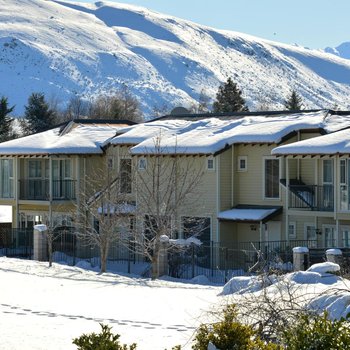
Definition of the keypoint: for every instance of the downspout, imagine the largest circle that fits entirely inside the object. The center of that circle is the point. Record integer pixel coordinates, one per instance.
(287, 200)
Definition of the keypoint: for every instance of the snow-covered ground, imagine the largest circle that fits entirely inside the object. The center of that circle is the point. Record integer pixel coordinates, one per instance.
(45, 308)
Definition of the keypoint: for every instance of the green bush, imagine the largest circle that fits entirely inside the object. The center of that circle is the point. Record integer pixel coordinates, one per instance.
(229, 334)
(313, 332)
(105, 340)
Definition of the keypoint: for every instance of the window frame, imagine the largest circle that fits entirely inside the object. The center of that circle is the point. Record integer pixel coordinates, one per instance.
(139, 163)
(239, 159)
(264, 177)
(125, 177)
(294, 234)
(212, 160)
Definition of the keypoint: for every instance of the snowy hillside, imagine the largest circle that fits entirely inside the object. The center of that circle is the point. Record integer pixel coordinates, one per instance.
(343, 50)
(63, 49)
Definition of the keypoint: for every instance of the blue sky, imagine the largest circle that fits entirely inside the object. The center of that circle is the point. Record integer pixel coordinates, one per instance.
(311, 23)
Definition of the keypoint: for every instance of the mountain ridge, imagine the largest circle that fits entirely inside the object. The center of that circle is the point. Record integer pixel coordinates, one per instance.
(65, 49)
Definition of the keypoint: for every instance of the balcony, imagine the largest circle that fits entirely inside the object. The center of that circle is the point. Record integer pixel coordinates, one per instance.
(311, 197)
(39, 189)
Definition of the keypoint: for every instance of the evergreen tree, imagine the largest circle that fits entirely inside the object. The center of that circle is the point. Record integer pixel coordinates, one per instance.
(38, 116)
(229, 99)
(294, 102)
(5, 120)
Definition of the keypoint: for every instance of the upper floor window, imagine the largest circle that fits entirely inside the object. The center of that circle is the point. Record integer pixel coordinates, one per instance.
(271, 178)
(6, 176)
(328, 171)
(242, 163)
(125, 175)
(142, 163)
(210, 164)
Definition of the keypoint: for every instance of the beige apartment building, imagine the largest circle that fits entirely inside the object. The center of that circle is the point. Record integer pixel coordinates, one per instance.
(234, 167)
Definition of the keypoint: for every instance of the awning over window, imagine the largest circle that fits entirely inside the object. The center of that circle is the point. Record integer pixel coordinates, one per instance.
(250, 213)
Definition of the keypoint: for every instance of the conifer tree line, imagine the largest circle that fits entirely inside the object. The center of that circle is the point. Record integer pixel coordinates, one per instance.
(42, 114)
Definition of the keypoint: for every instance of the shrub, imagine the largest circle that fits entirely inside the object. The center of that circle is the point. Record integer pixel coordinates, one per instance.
(314, 332)
(229, 333)
(105, 340)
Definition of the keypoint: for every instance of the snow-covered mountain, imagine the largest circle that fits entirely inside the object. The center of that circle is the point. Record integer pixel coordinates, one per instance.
(63, 49)
(342, 50)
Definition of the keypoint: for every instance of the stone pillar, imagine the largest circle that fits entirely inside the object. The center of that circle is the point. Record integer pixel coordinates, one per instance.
(335, 256)
(300, 258)
(163, 265)
(40, 243)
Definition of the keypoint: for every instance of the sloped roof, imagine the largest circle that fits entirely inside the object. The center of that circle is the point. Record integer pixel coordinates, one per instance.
(335, 143)
(211, 135)
(74, 138)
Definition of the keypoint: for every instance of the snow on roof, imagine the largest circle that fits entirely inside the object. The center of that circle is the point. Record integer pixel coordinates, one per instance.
(245, 214)
(81, 139)
(335, 143)
(208, 136)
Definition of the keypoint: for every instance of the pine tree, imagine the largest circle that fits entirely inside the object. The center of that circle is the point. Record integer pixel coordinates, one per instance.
(294, 102)
(5, 120)
(38, 116)
(229, 99)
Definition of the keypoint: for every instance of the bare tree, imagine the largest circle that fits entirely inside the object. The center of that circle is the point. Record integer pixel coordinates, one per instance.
(120, 104)
(165, 185)
(106, 214)
(77, 108)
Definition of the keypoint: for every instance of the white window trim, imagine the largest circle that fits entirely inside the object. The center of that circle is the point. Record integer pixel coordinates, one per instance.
(245, 158)
(263, 179)
(294, 235)
(207, 163)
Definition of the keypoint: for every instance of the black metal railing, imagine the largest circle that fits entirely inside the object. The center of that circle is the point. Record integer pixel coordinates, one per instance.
(311, 197)
(39, 189)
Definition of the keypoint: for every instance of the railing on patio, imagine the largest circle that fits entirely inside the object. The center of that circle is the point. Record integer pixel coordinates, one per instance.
(39, 189)
(311, 197)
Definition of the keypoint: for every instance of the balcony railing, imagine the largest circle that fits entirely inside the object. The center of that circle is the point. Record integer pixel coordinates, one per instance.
(311, 197)
(38, 189)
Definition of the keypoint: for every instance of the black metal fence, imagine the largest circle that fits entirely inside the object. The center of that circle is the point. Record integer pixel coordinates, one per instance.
(207, 262)
(16, 242)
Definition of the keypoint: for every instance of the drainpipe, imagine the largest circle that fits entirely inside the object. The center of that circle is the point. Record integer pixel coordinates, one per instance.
(287, 200)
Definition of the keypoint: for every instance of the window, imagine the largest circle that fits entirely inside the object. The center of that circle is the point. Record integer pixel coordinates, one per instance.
(346, 236)
(242, 163)
(328, 192)
(110, 163)
(142, 164)
(272, 169)
(310, 234)
(210, 164)
(343, 171)
(6, 174)
(34, 168)
(328, 171)
(125, 175)
(329, 236)
(292, 230)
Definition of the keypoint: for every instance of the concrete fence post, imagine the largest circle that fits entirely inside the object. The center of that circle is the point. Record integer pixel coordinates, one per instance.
(335, 256)
(300, 258)
(40, 252)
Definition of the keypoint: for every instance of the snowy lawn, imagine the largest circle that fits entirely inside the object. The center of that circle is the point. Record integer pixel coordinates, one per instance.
(44, 308)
